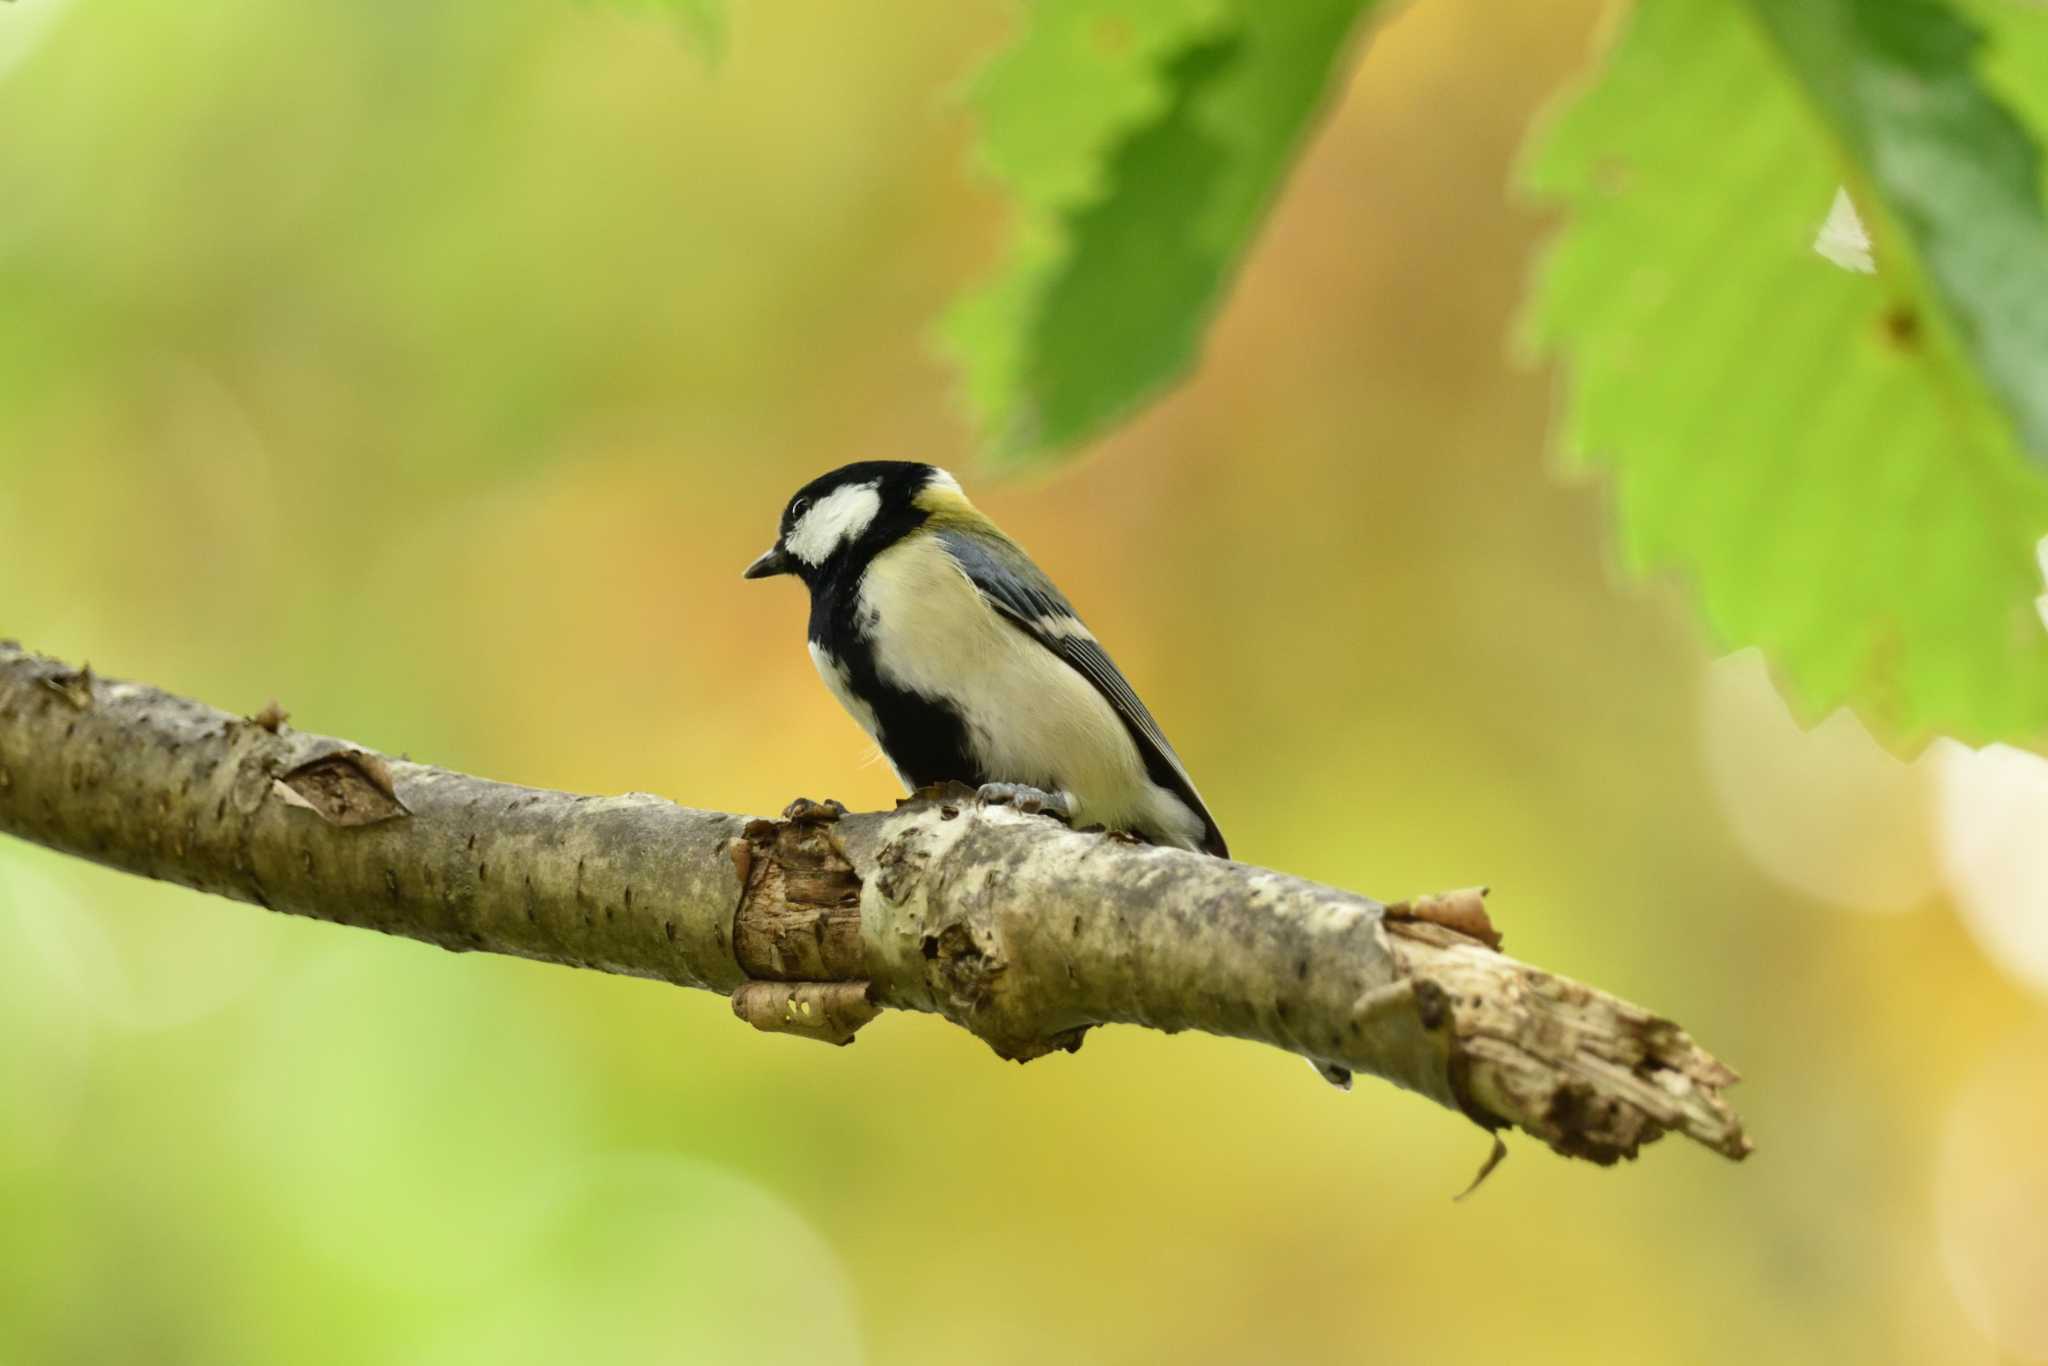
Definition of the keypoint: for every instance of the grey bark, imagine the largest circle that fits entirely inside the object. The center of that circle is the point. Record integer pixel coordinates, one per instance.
(1022, 931)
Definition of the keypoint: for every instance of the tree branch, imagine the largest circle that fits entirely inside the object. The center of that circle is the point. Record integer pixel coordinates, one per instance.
(1012, 926)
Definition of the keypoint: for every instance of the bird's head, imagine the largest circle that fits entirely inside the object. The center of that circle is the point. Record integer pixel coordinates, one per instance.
(839, 521)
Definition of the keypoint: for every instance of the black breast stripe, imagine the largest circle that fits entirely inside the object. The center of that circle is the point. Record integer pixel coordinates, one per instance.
(925, 739)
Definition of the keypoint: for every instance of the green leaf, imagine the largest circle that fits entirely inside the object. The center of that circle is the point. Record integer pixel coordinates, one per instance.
(1809, 447)
(1143, 140)
(2015, 64)
(1895, 81)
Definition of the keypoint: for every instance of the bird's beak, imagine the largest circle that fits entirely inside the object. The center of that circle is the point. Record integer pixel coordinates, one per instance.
(776, 561)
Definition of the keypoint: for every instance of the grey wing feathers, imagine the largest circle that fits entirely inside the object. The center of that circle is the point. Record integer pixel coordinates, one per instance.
(1018, 589)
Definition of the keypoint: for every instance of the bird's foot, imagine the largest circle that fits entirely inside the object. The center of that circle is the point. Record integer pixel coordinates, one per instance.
(1030, 800)
(804, 811)
(1339, 1077)
(951, 793)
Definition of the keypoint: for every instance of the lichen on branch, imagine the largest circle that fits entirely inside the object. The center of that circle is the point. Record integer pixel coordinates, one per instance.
(1010, 925)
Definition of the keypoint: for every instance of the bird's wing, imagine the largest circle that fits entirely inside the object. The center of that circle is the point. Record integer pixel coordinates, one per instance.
(1018, 589)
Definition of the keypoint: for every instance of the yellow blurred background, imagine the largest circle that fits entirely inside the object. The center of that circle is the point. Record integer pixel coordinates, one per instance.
(435, 368)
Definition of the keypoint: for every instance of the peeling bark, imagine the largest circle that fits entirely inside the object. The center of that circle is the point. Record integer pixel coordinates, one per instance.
(830, 1012)
(1022, 931)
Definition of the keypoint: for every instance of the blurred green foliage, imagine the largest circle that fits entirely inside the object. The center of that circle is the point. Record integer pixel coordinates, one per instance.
(1806, 445)
(705, 21)
(1143, 143)
(1734, 388)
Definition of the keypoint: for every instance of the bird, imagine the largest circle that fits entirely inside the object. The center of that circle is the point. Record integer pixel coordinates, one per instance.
(965, 664)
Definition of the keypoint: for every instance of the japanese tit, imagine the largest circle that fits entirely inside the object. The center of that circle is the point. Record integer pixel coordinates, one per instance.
(952, 649)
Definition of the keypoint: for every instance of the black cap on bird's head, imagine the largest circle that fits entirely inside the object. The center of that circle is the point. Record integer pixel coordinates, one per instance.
(843, 518)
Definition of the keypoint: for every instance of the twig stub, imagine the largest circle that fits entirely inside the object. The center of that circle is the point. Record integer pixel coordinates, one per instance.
(830, 1012)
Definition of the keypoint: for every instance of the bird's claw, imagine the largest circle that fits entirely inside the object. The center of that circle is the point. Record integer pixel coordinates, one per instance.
(804, 811)
(1030, 800)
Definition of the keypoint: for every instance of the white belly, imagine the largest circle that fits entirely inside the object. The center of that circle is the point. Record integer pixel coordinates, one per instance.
(1031, 717)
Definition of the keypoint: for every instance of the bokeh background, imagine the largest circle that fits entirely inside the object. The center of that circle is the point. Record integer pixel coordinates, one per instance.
(435, 368)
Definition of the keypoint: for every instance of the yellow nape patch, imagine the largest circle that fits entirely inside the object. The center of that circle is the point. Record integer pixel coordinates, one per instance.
(943, 500)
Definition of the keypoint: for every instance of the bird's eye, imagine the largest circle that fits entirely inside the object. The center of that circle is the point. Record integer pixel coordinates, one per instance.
(799, 508)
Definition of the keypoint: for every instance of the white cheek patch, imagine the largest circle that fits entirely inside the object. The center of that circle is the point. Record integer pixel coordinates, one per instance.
(840, 516)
